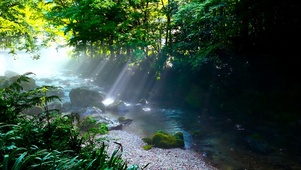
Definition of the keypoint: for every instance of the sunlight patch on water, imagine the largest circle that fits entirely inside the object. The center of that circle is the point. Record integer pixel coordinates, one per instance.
(146, 109)
(108, 101)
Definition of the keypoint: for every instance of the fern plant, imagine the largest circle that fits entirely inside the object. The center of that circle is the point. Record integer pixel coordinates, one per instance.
(48, 140)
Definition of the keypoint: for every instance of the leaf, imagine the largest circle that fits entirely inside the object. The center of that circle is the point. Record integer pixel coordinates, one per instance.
(17, 165)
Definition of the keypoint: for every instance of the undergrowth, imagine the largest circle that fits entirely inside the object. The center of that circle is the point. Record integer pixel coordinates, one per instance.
(49, 140)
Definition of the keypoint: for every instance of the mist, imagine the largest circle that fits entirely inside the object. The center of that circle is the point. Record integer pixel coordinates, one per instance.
(51, 61)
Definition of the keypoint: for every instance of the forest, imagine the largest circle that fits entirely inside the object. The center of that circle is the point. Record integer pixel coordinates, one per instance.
(226, 57)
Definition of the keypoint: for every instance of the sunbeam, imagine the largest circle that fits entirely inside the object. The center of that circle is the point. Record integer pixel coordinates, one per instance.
(120, 83)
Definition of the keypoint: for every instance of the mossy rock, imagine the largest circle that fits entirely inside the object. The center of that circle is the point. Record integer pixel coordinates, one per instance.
(121, 119)
(179, 135)
(147, 140)
(166, 141)
(87, 123)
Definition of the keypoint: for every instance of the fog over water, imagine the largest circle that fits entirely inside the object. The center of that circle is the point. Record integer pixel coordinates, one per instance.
(52, 60)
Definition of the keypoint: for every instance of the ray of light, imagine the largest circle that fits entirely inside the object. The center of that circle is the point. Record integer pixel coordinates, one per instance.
(140, 86)
(119, 83)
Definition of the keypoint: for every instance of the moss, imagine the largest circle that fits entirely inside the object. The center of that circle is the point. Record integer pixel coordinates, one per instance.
(147, 140)
(166, 141)
(87, 123)
(147, 147)
(179, 135)
(121, 119)
(256, 136)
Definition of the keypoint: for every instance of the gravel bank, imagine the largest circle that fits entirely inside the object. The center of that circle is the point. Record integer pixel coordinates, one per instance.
(159, 159)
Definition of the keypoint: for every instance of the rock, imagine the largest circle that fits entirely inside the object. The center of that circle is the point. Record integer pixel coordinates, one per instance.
(67, 106)
(56, 105)
(88, 111)
(143, 101)
(33, 111)
(99, 105)
(10, 73)
(30, 85)
(56, 92)
(81, 97)
(166, 141)
(4, 82)
(117, 106)
(124, 121)
(100, 118)
(111, 123)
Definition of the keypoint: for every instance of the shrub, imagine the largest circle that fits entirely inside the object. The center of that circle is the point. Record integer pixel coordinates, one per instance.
(48, 140)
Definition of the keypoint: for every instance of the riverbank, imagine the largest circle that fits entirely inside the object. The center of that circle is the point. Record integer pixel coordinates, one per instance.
(159, 159)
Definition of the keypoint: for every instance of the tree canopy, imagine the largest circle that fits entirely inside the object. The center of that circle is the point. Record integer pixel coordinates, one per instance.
(239, 47)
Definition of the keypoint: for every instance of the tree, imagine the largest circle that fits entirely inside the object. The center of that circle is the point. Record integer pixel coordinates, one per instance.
(22, 27)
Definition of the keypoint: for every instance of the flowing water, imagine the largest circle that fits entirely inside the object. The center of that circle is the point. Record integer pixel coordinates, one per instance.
(222, 142)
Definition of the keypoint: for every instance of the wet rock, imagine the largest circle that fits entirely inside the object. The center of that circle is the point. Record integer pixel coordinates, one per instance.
(56, 92)
(46, 80)
(111, 123)
(117, 106)
(99, 116)
(124, 121)
(88, 111)
(143, 101)
(81, 97)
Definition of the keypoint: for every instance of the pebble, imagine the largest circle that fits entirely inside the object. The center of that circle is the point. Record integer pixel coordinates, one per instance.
(159, 159)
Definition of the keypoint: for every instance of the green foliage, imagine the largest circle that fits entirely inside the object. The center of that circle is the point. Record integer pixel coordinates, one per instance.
(108, 28)
(89, 124)
(48, 140)
(22, 26)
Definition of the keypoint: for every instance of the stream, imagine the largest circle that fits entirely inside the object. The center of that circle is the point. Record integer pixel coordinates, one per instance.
(225, 144)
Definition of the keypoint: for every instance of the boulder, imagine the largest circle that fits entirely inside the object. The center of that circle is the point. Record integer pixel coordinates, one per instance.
(100, 118)
(56, 92)
(34, 111)
(10, 73)
(117, 106)
(124, 121)
(164, 140)
(81, 97)
(30, 85)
